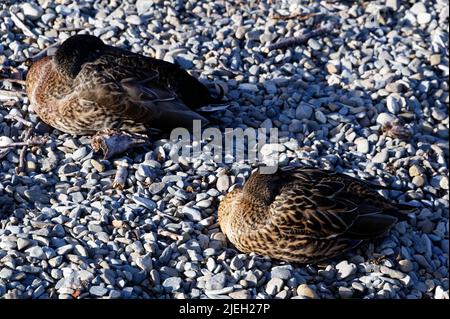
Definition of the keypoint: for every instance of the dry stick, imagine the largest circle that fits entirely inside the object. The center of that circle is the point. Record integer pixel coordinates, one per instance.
(298, 16)
(8, 95)
(23, 152)
(19, 119)
(21, 82)
(295, 41)
(19, 23)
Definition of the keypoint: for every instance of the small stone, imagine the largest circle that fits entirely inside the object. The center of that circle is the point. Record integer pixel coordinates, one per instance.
(405, 265)
(419, 181)
(236, 263)
(424, 18)
(362, 145)
(192, 213)
(216, 282)
(172, 284)
(32, 11)
(443, 183)
(392, 104)
(145, 262)
(345, 269)
(98, 291)
(305, 291)
(395, 274)
(384, 118)
(381, 157)
(223, 183)
(240, 294)
(345, 293)
(435, 59)
(97, 165)
(22, 243)
(143, 6)
(134, 19)
(156, 188)
(415, 170)
(145, 202)
(303, 111)
(320, 117)
(36, 252)
(281, 272)
(274, 286)
(393, 4)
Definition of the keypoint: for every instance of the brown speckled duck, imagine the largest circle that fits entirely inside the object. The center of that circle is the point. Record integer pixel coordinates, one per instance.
(88, 86)
(305, 215)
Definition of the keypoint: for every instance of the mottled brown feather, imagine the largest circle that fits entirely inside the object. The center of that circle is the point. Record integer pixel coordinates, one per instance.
(89, 87)
(305, 215)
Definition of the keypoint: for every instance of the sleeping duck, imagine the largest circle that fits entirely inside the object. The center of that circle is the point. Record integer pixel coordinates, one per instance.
(88, 86)
(305, 215)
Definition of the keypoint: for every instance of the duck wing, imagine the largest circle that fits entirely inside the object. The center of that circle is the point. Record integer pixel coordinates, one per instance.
(132, 94)
(322, 204)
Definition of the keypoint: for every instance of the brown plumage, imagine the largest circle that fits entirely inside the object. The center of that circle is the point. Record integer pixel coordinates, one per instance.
(89, 86)
(305, 215)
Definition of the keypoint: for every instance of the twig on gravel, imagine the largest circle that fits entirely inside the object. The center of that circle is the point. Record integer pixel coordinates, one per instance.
(21, 82)
(23, 152)
(6, 95)
(34, 141)
(70, 29)
(21, 25)
(295, 41)
(299, 16)
(18, 119)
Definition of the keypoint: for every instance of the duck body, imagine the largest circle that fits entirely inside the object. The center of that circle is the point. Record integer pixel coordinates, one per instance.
(88, 86)
(305, 215)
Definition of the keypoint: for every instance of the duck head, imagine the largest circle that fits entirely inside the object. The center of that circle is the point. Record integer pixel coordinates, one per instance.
(76, 51)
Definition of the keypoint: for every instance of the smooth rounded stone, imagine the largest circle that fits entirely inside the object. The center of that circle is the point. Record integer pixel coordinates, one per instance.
(172, 284)
(204, 203)
(443, 183)
(216, 282)
(392, 104)
(32, 11)
(320, 117)
(133, 19)
(239, 294)
(305, 291)
(415, 170)
(156, 188)
(248, 87)
(79, 153)
(384, 118)
(345, 269)
(281, 272)
(36, 252)
(191, 213)
(362, 145)
(100, 167)
(144, 6)
(345, 293)
(145, 202)
(64, 250)
(395, 274)
(98, 291)
(236, 263)
(303, 111)
(381, 157)
(440, 293)
(423, 18)
(223, 183)
(6, 273)
(274, 286)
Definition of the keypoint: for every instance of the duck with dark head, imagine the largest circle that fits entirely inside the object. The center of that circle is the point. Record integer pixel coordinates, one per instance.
(88, 87)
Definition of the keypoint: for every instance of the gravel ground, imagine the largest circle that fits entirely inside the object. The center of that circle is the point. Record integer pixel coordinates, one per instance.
(66, 233)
